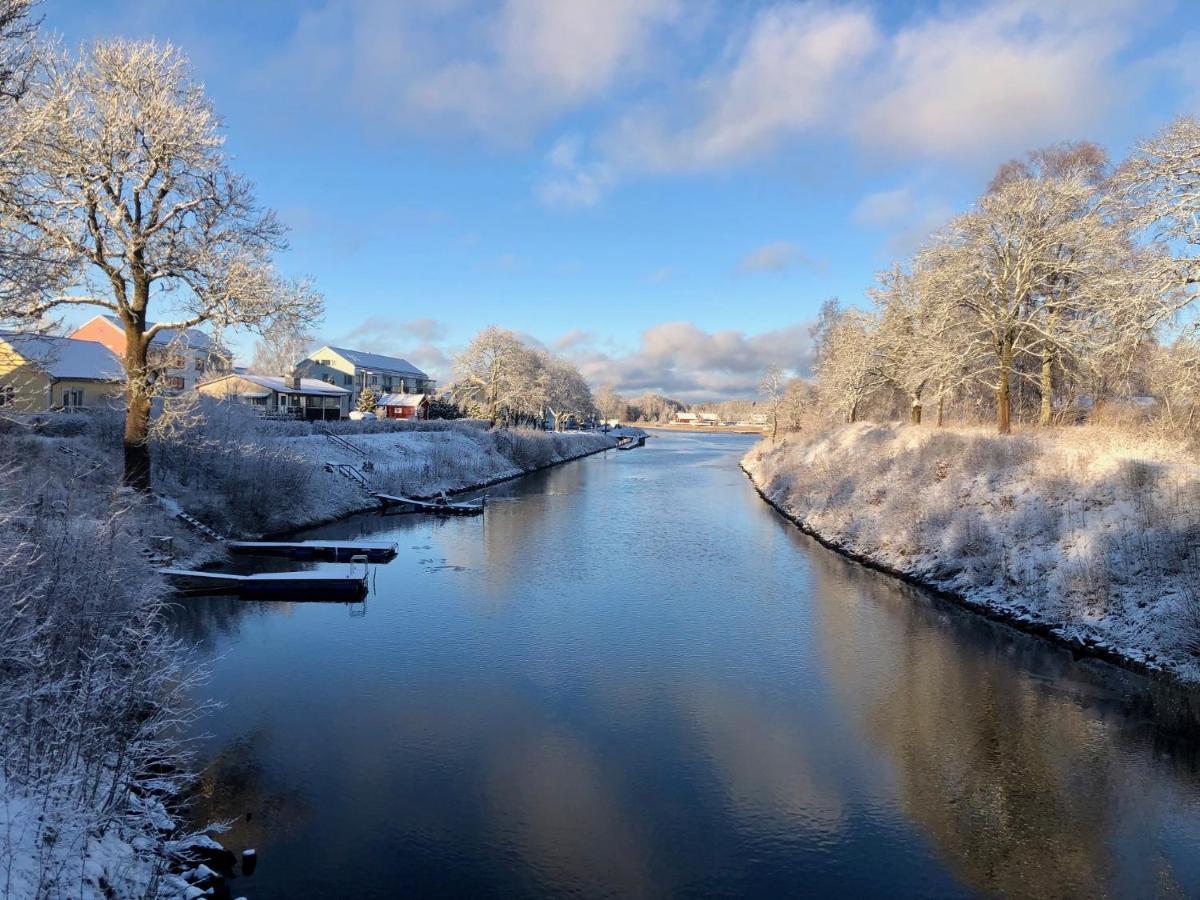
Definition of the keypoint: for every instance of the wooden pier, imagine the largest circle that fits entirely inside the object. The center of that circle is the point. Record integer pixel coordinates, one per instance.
(338, 551)
(436, 507)
(345, 584)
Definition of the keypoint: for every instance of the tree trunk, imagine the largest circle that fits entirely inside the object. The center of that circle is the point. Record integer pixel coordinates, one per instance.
(137, 410)
(941, 420)
(1003, 392)
(915, 413)
(1046, 386)
(853, 413)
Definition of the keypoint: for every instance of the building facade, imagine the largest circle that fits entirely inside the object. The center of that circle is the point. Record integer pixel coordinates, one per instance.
(356, 370)
(182, 358)
(296, 398)
(40, 372)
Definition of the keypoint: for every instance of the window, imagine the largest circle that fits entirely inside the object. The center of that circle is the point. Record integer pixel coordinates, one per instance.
(323, 362)
(6, 395)
(175, 382)
(348, 380)
(72, 398)
(199, 364)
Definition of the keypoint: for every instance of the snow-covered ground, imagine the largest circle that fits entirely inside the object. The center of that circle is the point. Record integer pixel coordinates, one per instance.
(1088, 536)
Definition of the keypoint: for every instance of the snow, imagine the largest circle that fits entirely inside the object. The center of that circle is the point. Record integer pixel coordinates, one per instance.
(52, 849)
(66, 357)
(284, 385)
(1085, 535)
(376, 361)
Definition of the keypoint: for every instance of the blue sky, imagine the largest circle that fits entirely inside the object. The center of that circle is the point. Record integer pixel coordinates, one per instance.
(663, 190)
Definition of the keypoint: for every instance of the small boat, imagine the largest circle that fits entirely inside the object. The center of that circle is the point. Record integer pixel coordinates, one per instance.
(338, 551)
(344, 584)
(439, 506)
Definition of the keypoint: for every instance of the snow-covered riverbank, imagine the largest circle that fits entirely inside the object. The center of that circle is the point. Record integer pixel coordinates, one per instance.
(77, 549)
(1087, 537)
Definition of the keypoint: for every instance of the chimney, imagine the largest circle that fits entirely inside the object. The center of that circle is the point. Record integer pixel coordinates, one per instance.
(294, 382)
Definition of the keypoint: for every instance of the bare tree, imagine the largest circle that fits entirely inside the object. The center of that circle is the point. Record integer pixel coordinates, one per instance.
(116, 185)
(847, 362)
(17, 32)
(282, 345)
(566, 391)
(772, 389)
(1160, 188)
(1025, 268)
(611, 404)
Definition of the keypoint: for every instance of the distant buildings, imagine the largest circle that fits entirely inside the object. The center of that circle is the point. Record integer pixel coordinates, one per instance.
(299, 398)
(356, 370)
(182, 358)
(40, 372)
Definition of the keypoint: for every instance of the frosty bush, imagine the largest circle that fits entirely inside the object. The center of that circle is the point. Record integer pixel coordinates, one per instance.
(92, 687)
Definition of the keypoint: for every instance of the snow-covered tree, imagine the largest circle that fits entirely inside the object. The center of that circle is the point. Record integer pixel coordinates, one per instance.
(847, 362)
(487, 375)
(116, 192)
(1032, 269)
(772, 389)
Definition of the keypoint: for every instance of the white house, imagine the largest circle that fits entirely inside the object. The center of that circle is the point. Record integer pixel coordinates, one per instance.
(183, 358)
(356, 370)
(300, 398)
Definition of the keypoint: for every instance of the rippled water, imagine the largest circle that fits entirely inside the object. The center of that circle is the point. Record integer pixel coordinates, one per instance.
(631, 678)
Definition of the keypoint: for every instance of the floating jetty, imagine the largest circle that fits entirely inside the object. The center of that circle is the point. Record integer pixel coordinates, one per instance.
(628, 443)
(345, 584)
(437, 507)
(338, 551)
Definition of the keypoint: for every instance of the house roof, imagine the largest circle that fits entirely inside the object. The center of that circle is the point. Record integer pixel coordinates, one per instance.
(377, 361)
(401, 399)
(282, 385)
(193, 338)
(62, 357)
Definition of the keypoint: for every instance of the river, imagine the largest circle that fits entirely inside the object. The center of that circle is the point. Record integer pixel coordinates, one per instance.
(632, 678)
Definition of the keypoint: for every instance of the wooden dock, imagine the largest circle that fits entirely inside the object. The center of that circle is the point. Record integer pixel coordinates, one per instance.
(436, 507)
(338, 551)
(628, 443)
(345, 584)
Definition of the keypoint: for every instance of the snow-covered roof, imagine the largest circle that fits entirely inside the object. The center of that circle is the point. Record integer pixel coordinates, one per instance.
(62, 357)
(376, 361)
(282, 385)
(401, 399)
(192, 338)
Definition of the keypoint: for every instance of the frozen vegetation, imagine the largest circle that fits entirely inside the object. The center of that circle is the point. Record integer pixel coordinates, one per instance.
(243, 475)
(1084, 534)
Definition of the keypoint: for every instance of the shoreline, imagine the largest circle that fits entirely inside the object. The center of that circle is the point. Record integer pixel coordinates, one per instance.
(1077, 646)
(467, 489)
(706, 429)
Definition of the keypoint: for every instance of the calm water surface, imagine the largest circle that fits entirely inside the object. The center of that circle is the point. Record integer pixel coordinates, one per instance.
(631, 678)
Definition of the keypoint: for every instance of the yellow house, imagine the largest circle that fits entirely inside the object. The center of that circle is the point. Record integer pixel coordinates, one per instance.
(39, 372)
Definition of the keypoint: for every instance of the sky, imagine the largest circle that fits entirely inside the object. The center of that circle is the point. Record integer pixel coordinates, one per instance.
(663, 191)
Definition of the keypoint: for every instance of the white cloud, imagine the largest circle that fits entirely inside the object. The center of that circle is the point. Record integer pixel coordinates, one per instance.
(783, 79)
(884, 208)
(773, 257)
(502, 70)
(419, 341)
(683, 361)
(571, 183)
(1006, 77)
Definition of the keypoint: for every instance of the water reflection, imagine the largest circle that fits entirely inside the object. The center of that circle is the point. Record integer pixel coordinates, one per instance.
(630, 678)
